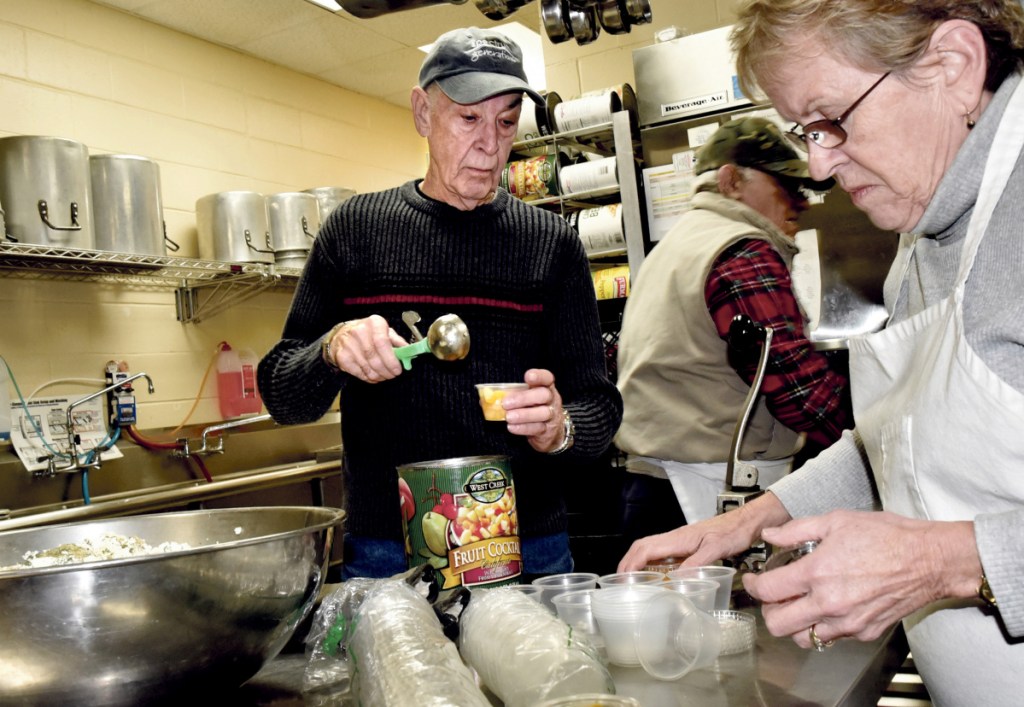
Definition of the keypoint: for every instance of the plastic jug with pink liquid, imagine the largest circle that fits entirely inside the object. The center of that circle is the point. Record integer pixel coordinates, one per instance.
(236, 382)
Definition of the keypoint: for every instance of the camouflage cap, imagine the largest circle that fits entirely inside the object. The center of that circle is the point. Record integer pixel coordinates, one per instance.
(758, 143)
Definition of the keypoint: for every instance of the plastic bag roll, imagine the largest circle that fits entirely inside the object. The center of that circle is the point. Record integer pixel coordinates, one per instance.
(524, 653)
(402, 657)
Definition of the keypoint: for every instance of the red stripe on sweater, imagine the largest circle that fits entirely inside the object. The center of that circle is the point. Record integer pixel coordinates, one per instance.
(428, 299)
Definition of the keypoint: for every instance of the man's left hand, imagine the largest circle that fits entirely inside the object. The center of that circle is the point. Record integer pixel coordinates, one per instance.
(536, 413)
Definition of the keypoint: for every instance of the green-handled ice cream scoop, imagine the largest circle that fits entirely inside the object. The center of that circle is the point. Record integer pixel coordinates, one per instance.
(447, 338)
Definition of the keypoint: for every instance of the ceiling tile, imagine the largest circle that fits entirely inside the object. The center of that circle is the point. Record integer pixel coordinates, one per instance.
(227, 22)
(320, 44)
(393, 73)
(377, 57)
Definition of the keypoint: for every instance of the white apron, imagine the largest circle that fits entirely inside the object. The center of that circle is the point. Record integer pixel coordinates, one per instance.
(697, 484)
(945, 437)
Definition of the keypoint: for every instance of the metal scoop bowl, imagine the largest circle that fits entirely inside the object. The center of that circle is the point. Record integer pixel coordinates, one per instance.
(447, 338)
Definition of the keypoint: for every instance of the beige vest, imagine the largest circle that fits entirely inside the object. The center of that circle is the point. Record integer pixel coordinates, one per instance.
(681, 397)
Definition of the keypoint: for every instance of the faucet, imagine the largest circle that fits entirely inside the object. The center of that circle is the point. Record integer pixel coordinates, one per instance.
(219, 448)
(75, 464)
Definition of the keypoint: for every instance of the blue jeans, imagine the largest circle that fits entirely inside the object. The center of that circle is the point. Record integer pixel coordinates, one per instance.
(372, 557)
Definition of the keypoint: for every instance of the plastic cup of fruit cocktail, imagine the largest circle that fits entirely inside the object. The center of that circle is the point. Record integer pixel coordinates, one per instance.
(491, 395)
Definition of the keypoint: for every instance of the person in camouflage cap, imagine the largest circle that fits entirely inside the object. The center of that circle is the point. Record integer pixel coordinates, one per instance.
(682, 394)
(758, 143)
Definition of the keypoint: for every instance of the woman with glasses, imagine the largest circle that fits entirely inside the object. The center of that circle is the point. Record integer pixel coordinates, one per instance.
(916, 109)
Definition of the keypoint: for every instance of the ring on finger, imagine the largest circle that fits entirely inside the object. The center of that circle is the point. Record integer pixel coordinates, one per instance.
(819, 645)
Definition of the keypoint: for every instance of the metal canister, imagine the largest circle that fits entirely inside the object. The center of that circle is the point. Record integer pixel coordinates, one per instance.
(126, 203)
(460, 516)
(46, 190)
(329, 198)
(294, 221)
(232, 227)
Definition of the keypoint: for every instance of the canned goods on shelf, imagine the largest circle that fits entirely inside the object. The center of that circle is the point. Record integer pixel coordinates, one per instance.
(533, 178)
(612, 283)
(590, 175)
(600, 228)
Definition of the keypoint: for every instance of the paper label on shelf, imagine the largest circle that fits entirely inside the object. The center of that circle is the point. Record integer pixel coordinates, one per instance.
(668, 197)
(43, 431)
(696, 104)
(698, 135)
(683, 162)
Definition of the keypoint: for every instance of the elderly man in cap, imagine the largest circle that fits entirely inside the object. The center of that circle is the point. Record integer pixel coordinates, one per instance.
(451, 243)
(682, 390)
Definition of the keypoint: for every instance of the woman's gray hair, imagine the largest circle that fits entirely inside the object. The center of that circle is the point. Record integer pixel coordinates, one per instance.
(874, 35)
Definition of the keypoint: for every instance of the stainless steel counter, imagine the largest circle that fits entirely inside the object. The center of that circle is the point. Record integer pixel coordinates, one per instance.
(777, 673)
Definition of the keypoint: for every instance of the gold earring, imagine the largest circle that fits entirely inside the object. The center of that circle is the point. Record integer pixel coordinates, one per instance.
(970, 121)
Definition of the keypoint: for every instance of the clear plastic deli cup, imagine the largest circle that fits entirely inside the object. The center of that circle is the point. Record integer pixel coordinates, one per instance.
(491, 395)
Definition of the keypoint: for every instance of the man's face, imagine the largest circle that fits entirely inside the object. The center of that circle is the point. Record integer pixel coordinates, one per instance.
(469, 144)
(778, 199)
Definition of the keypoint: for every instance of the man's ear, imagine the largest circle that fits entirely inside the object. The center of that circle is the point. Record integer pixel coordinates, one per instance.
(420, 110)
(729, 180)
(963, 62)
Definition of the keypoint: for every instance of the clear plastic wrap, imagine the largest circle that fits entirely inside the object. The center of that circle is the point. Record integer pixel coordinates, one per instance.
(379, 643)
(525, 654)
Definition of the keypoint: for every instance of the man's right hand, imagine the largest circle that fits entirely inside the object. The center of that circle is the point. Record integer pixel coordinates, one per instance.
(365, 349)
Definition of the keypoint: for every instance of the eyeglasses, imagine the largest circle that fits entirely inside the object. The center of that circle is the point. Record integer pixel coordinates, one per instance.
(828, 133)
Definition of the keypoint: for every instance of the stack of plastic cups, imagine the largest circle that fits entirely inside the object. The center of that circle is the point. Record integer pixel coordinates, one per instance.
(527, 589)
(617, 611)
(576, 609)
(701, 592)
(626, 578)
(723, 575)
(554, 584)
(674, 638)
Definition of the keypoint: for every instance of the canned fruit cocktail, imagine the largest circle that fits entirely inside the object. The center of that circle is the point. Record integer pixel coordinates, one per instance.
(460, 517)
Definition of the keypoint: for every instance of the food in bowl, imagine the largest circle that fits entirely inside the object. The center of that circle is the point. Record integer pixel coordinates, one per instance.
(110, 546)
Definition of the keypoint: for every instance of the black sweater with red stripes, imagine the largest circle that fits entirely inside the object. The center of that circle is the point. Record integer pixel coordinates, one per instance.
(516, 274)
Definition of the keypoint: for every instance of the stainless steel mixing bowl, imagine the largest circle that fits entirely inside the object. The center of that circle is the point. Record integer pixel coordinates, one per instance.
(158, 628)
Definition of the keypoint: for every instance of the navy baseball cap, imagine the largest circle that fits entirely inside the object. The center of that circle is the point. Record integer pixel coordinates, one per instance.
(472, 64)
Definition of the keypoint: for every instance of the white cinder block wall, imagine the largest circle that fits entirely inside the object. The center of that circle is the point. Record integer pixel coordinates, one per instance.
(214, 120)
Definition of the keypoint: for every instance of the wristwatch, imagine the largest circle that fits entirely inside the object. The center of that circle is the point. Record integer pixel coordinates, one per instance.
(985, 592)
(568, 432)
(325, 346)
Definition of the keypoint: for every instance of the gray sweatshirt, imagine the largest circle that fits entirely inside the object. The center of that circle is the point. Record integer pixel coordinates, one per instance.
(994, 324)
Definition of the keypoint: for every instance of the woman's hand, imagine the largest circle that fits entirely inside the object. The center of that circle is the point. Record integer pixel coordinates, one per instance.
(869, 570)
(716, 538)
(536, 413)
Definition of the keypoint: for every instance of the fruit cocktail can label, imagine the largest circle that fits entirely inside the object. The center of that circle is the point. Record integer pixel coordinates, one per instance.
(459, 515)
